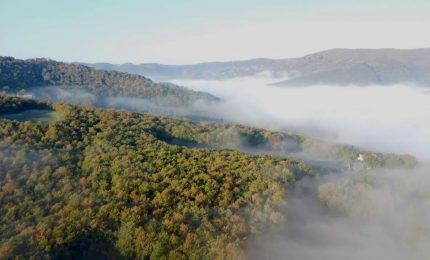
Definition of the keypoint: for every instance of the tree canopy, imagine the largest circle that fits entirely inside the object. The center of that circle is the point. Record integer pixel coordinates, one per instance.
(101, 184)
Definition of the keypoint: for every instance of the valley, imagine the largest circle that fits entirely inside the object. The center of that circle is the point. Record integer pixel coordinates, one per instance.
(218, 130)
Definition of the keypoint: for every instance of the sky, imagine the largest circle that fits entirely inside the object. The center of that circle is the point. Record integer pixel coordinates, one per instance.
(192, 31)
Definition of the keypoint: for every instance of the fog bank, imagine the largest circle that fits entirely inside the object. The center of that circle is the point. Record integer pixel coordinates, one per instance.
(381, 118)
(373, 215)
(377, 214)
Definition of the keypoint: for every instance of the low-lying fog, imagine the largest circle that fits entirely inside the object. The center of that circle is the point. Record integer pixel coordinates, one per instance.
(350, 215)
(374, 215)
(381, 118)
(85, 97)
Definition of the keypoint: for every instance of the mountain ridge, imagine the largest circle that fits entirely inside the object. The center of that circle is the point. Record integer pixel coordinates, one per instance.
(337, 66)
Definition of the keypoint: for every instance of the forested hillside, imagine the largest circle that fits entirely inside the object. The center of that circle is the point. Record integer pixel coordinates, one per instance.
(281, 144)
(100, 183)
(106, 184)
(17, 75)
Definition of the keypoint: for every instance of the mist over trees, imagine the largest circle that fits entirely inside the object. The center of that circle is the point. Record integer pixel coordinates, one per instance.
(100, 183)
(107, 184)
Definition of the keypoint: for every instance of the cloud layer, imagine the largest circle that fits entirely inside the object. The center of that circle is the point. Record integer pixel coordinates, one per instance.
(384, 119)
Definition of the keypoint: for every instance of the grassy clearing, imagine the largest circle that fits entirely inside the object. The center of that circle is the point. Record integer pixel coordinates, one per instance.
(35, 115)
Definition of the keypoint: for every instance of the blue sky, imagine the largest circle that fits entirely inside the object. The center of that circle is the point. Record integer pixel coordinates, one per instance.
(191, 31)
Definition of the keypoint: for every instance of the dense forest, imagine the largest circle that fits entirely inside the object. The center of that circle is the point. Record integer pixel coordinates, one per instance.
(281, 144)
(99, 183)
(18, 75)
(109, 184)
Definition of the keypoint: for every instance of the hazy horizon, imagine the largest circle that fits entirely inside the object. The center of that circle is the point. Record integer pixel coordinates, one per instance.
(220, 61)
(202, 31)
(255, 58)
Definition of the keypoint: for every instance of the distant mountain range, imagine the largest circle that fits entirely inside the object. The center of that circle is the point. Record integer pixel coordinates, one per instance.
(336, 66)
